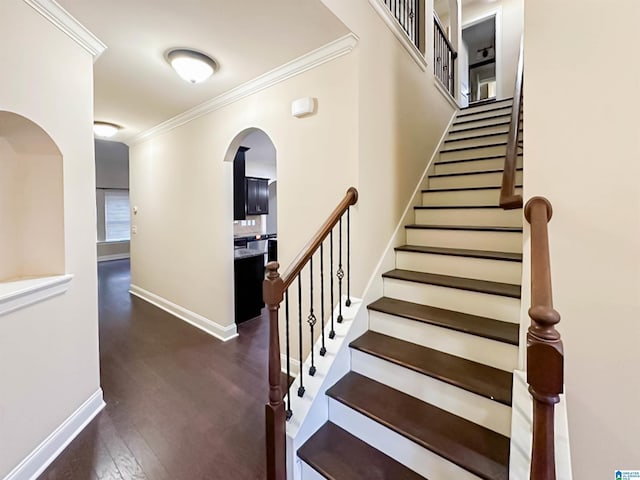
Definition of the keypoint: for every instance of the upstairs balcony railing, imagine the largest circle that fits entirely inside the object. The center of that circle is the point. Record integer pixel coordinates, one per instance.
(444, 58)
(408, 15)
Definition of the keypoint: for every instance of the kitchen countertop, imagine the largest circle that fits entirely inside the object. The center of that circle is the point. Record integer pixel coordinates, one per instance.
(240, 253)
(264, 236)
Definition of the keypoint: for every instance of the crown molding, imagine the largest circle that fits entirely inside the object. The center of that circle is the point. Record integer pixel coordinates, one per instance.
(66, 23)
(326, 53)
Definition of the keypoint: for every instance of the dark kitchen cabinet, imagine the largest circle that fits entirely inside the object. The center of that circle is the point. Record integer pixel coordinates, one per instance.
(257, 196)
(249, 276)
(239, 185)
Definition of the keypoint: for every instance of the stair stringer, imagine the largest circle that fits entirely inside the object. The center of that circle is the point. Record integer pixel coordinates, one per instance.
(356, 323)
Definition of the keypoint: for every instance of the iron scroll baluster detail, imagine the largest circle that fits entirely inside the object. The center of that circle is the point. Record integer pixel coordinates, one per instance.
(311, 319)
(340, 273)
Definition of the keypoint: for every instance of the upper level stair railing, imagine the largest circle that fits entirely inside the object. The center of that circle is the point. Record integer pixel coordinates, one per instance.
(408, 13)
(275, 291)
(444, 56)
(509, 199)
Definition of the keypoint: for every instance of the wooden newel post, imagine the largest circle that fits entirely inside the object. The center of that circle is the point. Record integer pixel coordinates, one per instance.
(545, 356)
(273, 293)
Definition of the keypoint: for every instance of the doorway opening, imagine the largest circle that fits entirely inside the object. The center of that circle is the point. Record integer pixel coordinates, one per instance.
(479, 40)
(255, 225)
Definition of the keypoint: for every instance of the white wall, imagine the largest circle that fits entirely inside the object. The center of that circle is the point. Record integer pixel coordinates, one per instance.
(49, 351)
(508, 33)
(582, 153)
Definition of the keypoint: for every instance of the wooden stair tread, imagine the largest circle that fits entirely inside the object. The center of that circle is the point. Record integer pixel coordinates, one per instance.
(460, 189)
(471, 284)
(461, 119)
(477, 228)
(462, 149)
(462, 174)
(488, 101)
(474, 377)
(478, 159)
(477, 449)
(475, 137)
(505, 332)
(457, 207)
(460, 252)
(338, 455)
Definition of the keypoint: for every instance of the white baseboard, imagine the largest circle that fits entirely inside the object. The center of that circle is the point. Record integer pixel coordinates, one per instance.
(45, 453)
(115, 256)
(221, 332)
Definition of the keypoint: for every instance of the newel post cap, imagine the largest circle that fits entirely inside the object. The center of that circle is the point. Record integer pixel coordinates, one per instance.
(273, 286)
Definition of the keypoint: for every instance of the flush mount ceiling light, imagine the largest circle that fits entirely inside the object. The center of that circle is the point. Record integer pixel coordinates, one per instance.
(192, 66)
(105, 129)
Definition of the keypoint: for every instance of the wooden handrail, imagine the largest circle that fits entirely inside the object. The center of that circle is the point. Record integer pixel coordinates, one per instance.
(545, 355)
(303, 257)
(273, 290)
(508, 197)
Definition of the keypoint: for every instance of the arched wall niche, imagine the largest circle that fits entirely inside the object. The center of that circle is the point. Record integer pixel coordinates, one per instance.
(31, 201)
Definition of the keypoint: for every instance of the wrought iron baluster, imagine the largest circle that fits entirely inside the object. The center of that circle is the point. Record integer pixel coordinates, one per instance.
(348, 302)
(286, 312)
(311, 319)
(332, 333)
(323, 349)
(340, 273)
(301, 387)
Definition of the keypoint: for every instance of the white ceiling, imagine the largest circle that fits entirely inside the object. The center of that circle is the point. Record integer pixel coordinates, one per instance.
(137, 89)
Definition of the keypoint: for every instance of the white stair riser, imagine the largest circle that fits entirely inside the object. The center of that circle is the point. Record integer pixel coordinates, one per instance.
(500, 127)
(398, 447)
(308, 473)
(476, 303)
(478, 152)
(481, 217)
(469, 239)
(464, 197)
(472, 347)
(487, 122)
(456, 266)
(470, 181)
(487, 106)
(473, 166)
(480, 410)
(476, 142)
(483, 115)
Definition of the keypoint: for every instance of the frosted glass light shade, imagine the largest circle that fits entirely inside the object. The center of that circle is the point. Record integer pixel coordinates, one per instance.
(191, 66)
(104, 129)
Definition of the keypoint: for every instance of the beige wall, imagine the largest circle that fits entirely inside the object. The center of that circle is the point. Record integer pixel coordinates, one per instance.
(49, 351)
(378, 122)
(512, 14)
(582, 152)
(183, 187)
(401, 119)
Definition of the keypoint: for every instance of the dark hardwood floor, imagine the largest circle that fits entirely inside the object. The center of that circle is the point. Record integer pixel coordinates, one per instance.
(181, 405)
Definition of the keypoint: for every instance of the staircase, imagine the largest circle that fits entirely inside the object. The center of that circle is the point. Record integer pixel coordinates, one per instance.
(429, 391)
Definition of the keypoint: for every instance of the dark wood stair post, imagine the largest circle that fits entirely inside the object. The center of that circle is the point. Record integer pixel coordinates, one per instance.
(545, 356)
(273, 294)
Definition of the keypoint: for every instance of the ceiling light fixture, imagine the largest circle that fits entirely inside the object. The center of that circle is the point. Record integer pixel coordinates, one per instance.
(105, 129)
(192, 66)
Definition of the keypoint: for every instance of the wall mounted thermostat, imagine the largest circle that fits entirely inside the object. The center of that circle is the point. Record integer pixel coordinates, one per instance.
(303, 106)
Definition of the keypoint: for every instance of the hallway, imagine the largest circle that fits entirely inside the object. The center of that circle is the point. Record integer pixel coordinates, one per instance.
(181, 405)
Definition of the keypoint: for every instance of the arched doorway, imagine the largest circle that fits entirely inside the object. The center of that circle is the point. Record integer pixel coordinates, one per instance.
(254, 217)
